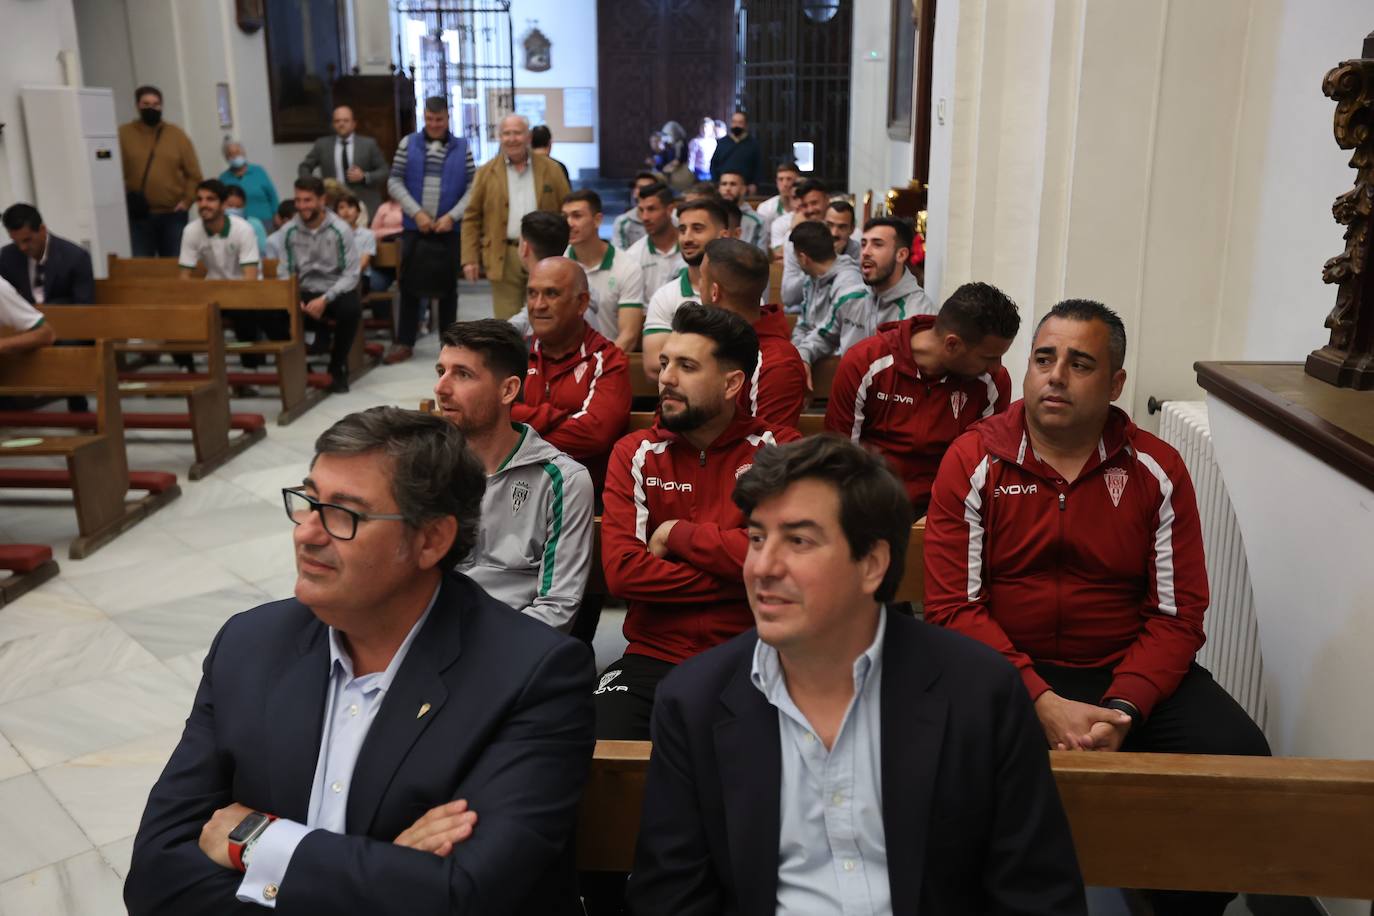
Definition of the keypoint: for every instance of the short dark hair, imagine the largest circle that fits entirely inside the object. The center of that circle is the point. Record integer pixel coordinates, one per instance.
(710, 206)
(547, 233)
(347, 197)
(733, 214)
(141, 91)
(1092, 310)
(659, 190)
(873, 503)
(436, 104)
(234, 190)
(286, 209)
(655, 177)
(842, 206)
(433, 473)
(541, 137)
(703, 189)
(503, 349)
(787, 166)
(810, 186)
(740, 268)
(215, 187)
(587, 196)
(310, 183)
(736, 344)
(976, 310)
(905, 232)
(732, 171)
(22, 216)
(813, 240)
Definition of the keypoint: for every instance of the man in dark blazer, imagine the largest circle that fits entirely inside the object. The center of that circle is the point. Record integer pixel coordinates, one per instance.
(350, 158)
(46, 269)
(392, 740)
(844, 757)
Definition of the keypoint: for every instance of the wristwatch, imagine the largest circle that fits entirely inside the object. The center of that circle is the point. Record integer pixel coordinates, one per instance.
(242, 836)
(1128, 708)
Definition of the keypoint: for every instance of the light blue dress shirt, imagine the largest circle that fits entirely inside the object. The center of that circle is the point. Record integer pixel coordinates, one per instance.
(351, 703)
(832, 853)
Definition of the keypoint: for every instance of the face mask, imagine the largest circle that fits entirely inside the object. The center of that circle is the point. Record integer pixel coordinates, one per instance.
(151, 116)
(737, 131)
(237, 211)
(238, 162)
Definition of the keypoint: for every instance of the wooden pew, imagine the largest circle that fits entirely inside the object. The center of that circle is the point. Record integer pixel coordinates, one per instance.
(299, 392)
(207, 397)
(388, 256)
(168, 268)
(1270, 825)
(775, 281)
(822, 379)
(29, 565)
(97, 466)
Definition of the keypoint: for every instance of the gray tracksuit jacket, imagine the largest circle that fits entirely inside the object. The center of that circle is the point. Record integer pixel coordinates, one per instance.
(817, 332)
(534, 546)
(324, 259)
(861, 318)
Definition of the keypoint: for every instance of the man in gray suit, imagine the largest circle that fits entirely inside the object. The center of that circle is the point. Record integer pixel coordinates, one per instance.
(350, 158)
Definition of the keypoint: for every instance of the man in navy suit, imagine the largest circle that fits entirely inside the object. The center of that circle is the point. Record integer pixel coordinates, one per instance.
(44, 268)
(391, 740)
(842, 757)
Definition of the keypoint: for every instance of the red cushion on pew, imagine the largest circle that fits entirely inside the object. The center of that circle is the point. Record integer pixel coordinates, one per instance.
(23, 558)
(55, 479)
(377, 324)
(373, 349)
(319, 379)
(163, 377)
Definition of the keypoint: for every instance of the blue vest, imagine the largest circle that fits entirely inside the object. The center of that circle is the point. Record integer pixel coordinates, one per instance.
(453, 179)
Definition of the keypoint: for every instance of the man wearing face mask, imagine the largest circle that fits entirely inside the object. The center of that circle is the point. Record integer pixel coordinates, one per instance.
(161, 172)
(738, 152)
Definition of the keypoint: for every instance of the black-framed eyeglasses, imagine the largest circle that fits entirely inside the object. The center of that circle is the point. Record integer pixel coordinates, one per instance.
(339, 521)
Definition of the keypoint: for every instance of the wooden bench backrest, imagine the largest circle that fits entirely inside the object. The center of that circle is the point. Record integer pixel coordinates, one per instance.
(823, 378)
(1257, 824)
(68, 371)
(167, 268)
(775, 281)
(229, 295)
(196, 323)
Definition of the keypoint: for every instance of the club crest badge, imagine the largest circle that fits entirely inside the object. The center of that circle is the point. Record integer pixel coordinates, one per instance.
(1116, 483)
(518, 494)
(957, 400)
(580, 371)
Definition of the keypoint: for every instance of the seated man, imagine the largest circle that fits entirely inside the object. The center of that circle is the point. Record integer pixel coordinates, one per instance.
(542, 235)
(577, 385)
(698, 223)
(657, 252)
(344, 743)
(223, 242)
(534, 549)
(832, 282)
(839, 219)
(812, 201)
(628, 228)
(616, 283)
(45, 269)
(915, 387)
(671, 540)
(893, 292)
(844, 757)
(317, 246)
(732, 188)
(734, 275)
(1068, 539)
(23, 326)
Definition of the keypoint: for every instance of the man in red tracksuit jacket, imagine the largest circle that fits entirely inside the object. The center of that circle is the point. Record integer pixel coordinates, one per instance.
(734, 276)
(915, 386)
(1067, 538)
(672, 540)
(577, 392)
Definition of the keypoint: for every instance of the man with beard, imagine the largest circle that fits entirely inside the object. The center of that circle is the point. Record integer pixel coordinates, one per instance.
(812, 201)
(657, 252)
(672, 542)
(739, 153)
(534, 548)
(839, 220)
(698, 222)
(751, 229)
(223, 242)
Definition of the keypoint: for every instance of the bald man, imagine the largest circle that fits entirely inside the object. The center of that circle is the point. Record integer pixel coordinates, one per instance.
(516, 182)
(577, 392)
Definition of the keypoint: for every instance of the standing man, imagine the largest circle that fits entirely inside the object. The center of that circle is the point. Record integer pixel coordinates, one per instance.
(732, 187)
(658, 254)
(317, 247)
(615, 279)
(44, 268)
(916, 386)
(812, 202)
(780, 204)
(534, 546)
(392, 740)
(541, 141)
(506, 188)
(738, 152)
(833, 284)
(734, 276)
(433, 191)
(628, 228)
(225, 243)
(350, 158)
(161, 172)
(841, 757)
(698, 223)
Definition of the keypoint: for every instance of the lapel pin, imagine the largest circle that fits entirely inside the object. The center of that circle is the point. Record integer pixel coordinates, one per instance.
(423, 709)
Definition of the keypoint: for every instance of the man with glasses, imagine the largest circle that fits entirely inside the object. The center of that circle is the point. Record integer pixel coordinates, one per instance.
(390, 737)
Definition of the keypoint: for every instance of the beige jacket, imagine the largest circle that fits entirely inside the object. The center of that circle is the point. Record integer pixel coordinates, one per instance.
(175, 172)
(484, 223)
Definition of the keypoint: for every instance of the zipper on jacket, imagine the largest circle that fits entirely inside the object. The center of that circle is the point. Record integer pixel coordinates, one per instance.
(702, 459)
(1061, 502)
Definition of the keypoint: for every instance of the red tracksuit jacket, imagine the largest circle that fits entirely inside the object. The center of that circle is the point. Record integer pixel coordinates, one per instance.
(1104, 572)
(777, 390)
(880, 398)
(580, 404)
(694, 599)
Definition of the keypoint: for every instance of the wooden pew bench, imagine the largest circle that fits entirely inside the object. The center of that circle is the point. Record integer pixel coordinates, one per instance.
(1280, 825)
(388, 256)
(97, 469)
(28, 565)
(168, 268)
(299, 392)
(197, 328)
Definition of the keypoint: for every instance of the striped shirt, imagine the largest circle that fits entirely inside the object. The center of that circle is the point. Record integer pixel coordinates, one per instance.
(434, 170)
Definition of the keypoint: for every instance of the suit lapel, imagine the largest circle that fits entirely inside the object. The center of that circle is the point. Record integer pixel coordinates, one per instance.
(399, 723)
(295, 708)
(749, 757)
(913, 726)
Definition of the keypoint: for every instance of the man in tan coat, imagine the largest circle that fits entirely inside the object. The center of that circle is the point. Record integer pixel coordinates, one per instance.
(161, 172)
(512, 184)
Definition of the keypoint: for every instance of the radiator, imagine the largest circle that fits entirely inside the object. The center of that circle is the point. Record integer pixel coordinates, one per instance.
(1232, 651)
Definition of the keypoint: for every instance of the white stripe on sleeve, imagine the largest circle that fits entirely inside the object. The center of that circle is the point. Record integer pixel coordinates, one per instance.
(973, 517)
(591, 388)
(1164, 539)
(861, 395)
(637, 473)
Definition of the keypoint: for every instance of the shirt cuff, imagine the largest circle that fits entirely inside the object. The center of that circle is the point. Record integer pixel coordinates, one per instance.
(267, 864)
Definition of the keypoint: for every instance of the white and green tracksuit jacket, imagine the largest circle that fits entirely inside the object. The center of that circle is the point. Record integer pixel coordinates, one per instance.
(534, 546)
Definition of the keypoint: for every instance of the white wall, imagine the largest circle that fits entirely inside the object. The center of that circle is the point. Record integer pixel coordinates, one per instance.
(571, 26)
(32, 35)
(876, 162)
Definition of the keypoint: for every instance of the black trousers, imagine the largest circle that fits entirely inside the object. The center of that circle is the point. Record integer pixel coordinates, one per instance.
(347, 313)
(157, 235)
(624, 697)
(444, 307)
(1198, 718)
